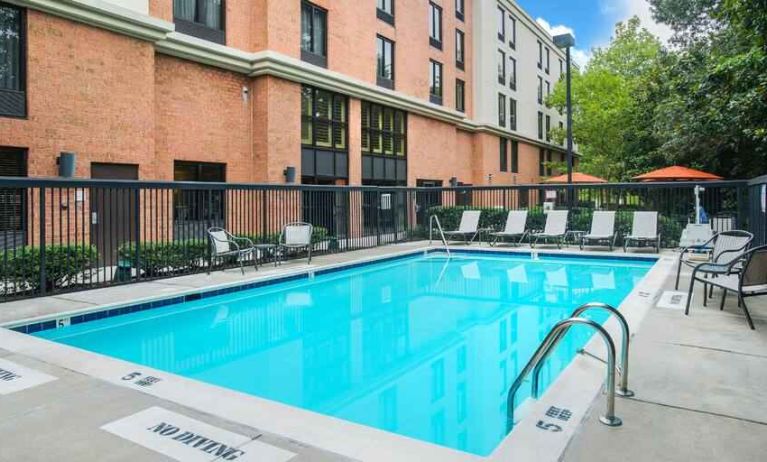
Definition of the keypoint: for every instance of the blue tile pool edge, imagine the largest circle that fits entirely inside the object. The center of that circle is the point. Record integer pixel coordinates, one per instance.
(101, 313)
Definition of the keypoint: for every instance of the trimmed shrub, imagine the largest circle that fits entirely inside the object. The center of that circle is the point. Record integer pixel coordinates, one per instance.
(65, 266)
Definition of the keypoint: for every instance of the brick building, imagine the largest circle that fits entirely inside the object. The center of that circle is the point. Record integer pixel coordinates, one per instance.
(384, 92)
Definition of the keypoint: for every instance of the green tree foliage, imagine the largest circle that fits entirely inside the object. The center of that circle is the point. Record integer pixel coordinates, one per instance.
(701, 103)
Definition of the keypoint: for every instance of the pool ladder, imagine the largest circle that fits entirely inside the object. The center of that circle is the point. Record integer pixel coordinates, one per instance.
(435, 219)
(553, 338)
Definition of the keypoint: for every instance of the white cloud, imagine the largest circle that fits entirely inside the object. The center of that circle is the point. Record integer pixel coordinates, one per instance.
(555, 30)
(580, 57)
(641, 8)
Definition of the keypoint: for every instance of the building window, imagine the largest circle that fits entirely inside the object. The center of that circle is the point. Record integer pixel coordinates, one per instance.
(540, 55)
(435, 82)
(435, 26)
(549, 171)
(548, 128)
(501, 110)
(540, 90)
(460, 95)
(512, 73)
(385, 68)
(459, 49)
(548, 59)
(512, 114)
(200, 18)
(514, 156)
(13, 97)
(541, 162)
(385, 11)
(501, 24)
(501, 67)
(561, 128)
(324, 134)
(540, 125)
(548, 89)
(314, 34)
(384, 130)
(561, 69)
(513, 32)
(13, 213)
(504, 155)
(459, 9)
(191, 205)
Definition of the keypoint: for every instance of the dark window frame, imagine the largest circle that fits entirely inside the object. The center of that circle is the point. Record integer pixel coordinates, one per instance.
(540, 90)
(386, 16)
(548, 127)
(211, 210)
(548, 60)
(460, 103)
(382, 80)
(436, 98)
(501, 110)
(15, 204)
(503, 151)
(311, 56)
(199, 29)
(513, 35)
(332, 123)
(368, 107)
(541, 162)
(501, 55)
(501, 26)
(17, 100)
(514, 156)
(460, 52)
(512, 114)
(540, 125)
(435, 11)
(460, 9)
(377, 166)
(513, 73)
(540, 55)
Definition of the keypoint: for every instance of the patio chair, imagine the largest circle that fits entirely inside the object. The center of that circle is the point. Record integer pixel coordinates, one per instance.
(469, 226)
(722, 249)
(516, 222)
(556, 228)
(296, 236)
(225, 244)
(602, 229)
(644, 230)
(749, 281)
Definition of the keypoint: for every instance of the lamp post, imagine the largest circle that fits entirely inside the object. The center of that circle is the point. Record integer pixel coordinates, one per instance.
(567, 41)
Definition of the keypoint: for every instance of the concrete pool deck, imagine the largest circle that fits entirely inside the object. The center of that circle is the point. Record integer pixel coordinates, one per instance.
(698, 383)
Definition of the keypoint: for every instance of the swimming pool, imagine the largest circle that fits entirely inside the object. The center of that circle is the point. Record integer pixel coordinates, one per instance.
(422, 346)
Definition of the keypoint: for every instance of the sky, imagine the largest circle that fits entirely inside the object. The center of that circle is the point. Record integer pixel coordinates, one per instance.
(591, 21)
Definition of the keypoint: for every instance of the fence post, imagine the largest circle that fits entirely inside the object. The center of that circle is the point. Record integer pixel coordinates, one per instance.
(739, 221)
(42, 230)
(378, 217)
(137, 231)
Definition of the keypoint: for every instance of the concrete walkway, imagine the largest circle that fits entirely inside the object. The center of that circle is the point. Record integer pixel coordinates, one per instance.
(701, 389)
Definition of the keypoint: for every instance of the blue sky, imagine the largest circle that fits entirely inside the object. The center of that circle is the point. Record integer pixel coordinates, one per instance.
(592, 21)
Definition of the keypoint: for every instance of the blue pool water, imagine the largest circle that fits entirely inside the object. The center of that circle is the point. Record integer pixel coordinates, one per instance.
(421, 346)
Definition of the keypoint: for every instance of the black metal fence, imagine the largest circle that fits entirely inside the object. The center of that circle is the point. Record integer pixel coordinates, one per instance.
(60, 235)
(757, 209)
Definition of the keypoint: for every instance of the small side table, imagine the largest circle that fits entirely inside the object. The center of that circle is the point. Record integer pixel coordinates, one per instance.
(574, 237)
(485, 232)
(270, 249)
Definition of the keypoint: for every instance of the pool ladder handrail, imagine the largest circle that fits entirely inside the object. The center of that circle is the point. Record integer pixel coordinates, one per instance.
(432, 220)
(623, 365)
(554, 336)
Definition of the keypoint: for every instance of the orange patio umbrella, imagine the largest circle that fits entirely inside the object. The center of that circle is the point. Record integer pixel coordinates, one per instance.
(577, 178)
(677, 173)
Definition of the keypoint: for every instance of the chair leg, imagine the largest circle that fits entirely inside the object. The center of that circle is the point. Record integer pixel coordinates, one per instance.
(705, 294)
(309, 251)
(745, 311)
(724, 296)
(678, 272)
(689, 295)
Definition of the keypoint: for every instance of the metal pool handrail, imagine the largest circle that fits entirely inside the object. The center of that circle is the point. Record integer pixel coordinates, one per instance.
(432, 220)
(543, 351)
(623, 367)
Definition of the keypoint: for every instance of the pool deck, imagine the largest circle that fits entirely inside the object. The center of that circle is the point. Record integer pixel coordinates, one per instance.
(699, 383)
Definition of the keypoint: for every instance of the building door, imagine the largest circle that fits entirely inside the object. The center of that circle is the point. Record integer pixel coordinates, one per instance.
(113, 210)
(427, 199)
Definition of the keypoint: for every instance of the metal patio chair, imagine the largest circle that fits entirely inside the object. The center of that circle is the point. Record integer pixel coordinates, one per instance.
(602, 230)
(296, 236)
(225, 244)
(644, 230)
(722, 248)
(556, 228)
(468, 228)
(750, 281)
(516, 227)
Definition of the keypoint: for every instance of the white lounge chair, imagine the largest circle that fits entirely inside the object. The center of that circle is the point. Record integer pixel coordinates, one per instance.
(644, 230)
(225, 244)
(602, 229)
(516, 222)
(556, 228)
(296, 236)
(468, 228)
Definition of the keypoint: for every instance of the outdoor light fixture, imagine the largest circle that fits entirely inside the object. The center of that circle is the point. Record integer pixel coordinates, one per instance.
(290, 174)
(567, 41)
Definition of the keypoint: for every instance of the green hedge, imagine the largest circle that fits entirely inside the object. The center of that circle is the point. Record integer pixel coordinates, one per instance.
(158, 258)
(21, 267)
(580, 219)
